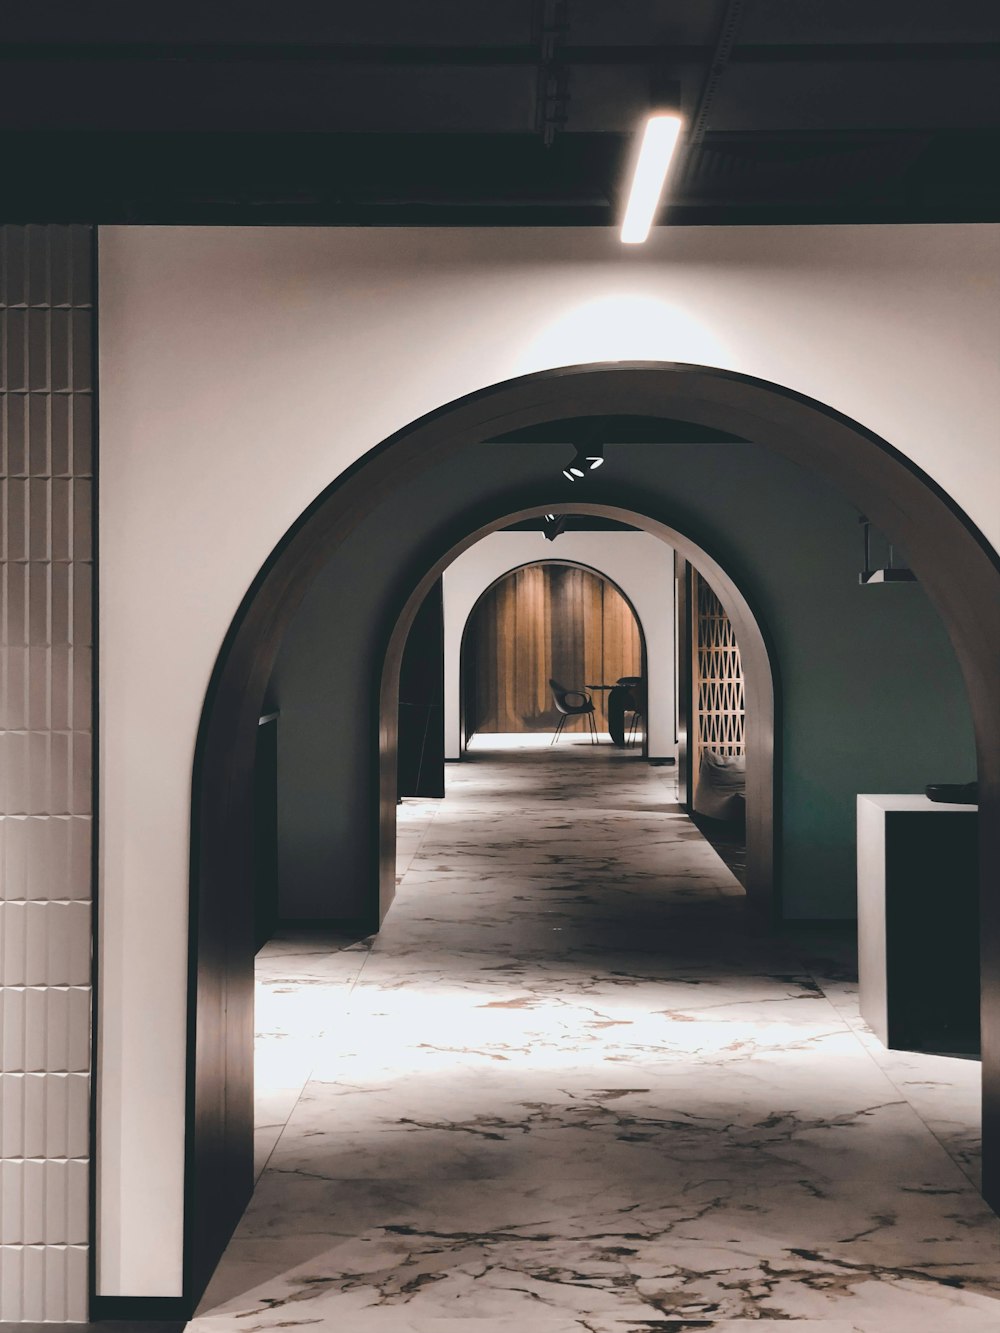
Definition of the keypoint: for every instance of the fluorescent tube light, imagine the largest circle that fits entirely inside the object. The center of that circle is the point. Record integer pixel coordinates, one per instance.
(655, 153)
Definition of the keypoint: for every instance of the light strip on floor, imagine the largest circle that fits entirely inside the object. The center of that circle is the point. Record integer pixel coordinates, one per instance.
(655, 154)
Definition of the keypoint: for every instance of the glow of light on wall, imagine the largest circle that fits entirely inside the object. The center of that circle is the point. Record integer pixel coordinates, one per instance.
(625, 327)
(659, 140)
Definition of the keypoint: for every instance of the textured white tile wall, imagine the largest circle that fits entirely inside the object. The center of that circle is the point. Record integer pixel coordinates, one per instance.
(46, 581)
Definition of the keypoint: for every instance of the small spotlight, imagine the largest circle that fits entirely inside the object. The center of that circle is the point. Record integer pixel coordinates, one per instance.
(554, 526)
(586, 459)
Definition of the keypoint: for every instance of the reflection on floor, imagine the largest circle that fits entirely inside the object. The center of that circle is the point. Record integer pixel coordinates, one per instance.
(570, 1088)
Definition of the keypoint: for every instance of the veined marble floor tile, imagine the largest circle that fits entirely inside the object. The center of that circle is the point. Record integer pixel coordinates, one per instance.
(631, 1138)
(572, 1087)
(303, 982)
(533, 1279)
(391, 1320)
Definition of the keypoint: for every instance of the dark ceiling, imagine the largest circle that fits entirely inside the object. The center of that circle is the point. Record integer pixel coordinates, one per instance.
(513, 112)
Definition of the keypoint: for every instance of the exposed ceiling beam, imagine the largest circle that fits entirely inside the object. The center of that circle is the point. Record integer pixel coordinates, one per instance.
(527, 54)
(552, 85)
(694, 132)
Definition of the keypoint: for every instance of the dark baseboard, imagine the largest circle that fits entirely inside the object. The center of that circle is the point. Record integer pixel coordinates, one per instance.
(845, 923)
(669, 761)
(96, 1325)
(168, 1312)
(356, 926)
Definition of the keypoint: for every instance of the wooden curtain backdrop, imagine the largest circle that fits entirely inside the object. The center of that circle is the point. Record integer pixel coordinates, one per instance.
(718, 712)
(542, 621)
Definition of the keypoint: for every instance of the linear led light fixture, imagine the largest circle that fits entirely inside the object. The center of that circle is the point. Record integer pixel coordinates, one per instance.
(659, 140)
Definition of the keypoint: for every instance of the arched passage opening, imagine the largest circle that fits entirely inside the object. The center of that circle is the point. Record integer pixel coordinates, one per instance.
(760, 674)
(595, 639)
(956, 566)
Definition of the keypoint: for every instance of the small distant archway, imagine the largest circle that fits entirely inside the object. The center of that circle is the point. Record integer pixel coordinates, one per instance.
(465, 644)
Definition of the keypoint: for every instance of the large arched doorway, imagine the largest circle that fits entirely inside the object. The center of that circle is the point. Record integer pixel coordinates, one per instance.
(955, 564)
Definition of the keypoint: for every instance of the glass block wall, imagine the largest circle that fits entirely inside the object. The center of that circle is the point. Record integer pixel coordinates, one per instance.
(46, 585)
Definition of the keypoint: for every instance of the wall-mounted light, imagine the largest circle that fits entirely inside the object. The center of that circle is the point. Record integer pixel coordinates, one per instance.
(887, 573)
(656, 151)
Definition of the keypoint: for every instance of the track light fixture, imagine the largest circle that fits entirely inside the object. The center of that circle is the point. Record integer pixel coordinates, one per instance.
(588, 458)
(554, 525)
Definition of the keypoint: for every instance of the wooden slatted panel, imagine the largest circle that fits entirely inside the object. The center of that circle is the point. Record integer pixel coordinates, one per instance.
(529, 700)
(593, 632)
(506, 637)
(622, 646)
(546, 621)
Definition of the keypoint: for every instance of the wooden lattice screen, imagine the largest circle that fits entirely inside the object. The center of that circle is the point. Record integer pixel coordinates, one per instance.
(717, 677)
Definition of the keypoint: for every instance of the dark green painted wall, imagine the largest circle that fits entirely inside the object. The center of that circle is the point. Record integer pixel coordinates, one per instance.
(871, 696)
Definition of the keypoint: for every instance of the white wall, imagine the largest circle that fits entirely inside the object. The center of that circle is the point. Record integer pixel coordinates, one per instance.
(640, 564)
(243, 369)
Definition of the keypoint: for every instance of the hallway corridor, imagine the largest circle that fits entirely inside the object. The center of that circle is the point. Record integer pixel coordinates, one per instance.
(572, 1088)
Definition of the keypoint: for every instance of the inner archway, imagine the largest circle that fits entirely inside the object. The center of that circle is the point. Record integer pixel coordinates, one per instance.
(760, 675)
(955, 564)
(580, 626)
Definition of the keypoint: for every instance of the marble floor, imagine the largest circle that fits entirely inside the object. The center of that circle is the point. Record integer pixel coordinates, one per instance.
(572, 1088)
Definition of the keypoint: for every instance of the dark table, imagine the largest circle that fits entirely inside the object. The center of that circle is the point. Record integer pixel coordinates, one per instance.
(624, 694)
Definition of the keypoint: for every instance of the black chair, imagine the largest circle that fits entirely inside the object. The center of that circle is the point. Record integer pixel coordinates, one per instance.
(633, 730)
(635, 704)
(572, 703)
